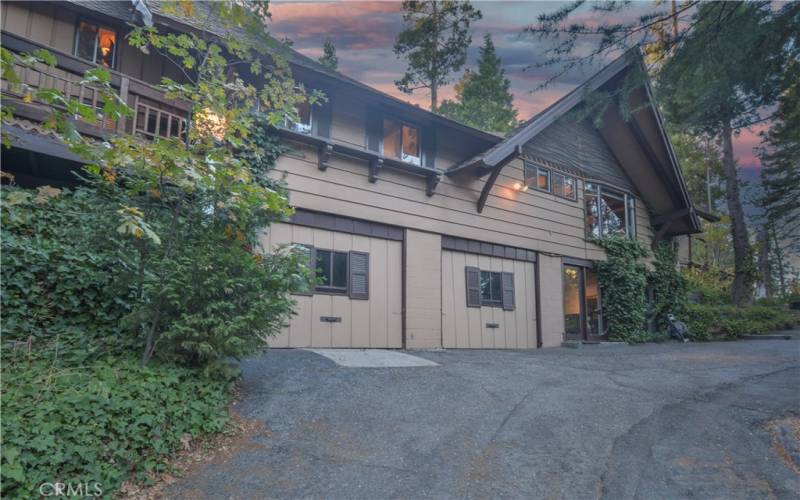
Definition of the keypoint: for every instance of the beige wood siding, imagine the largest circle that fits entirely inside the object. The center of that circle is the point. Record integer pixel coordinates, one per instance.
(531, 220)
(465, 327)
(423, 290)
(376, 322)
(551, 300)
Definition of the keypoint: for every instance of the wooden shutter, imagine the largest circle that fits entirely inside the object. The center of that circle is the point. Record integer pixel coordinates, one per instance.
(473, 281)
(322, 116)
(508, 291)
(311, 263)
(359, 275)
(429, 146)
(374, 128)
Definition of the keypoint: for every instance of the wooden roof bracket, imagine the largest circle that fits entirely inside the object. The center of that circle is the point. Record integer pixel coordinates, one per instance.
(375, 165)
(324, 156)
(493, 177)
(666, 222)
(431, 182)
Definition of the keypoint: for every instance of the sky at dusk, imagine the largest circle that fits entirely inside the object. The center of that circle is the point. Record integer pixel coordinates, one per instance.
(364, 34)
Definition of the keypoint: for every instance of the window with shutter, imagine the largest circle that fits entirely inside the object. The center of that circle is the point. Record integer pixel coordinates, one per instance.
(473, 281)
(359, 275)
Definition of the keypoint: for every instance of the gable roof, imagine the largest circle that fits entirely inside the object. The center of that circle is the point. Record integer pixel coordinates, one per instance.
(653, 144)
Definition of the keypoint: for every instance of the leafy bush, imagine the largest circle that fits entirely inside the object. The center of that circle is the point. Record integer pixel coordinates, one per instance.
(622, 280)
(98, 423)
(60, 272)
(707, 322)
(712, 286)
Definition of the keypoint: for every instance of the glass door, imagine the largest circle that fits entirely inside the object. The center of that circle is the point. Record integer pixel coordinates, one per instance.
(583, 319)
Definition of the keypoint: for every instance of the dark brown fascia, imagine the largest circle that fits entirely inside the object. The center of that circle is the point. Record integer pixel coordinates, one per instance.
(375, 161)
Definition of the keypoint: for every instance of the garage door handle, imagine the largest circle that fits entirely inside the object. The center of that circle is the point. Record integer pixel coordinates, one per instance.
(330, 319)
(492, 325)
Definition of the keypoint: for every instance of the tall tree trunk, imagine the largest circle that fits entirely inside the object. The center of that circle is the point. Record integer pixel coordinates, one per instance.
(779, 258)
(434, 96)
(742, 292)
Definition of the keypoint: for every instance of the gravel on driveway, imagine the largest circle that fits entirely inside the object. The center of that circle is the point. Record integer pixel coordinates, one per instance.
(712, 420)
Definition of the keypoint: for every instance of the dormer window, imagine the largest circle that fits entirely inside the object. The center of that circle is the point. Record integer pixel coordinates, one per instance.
(96, 43)
(401, 141)
(303, 123)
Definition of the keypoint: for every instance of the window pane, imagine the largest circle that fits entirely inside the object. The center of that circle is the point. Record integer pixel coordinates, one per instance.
(631, 217)
(392, 136)
(411, 144)
(497, 287)
(569, 188)
(303, 123)
(323, 268)
(572, 300)
(486, 288)
(558, 184)
(106, 41)
(530, 174)
(613, 214)
(339, 270)
(592, 303)
(544, 180)
(84, 46)
(592, 213)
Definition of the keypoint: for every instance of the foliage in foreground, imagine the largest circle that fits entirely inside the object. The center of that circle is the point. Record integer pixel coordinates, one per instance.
(101, 422)
(726, 322)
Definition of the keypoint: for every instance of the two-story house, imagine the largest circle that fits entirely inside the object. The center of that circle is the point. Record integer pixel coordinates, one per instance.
(424, 232)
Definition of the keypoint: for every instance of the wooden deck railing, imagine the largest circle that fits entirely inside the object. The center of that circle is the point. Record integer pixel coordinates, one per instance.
(154, 115)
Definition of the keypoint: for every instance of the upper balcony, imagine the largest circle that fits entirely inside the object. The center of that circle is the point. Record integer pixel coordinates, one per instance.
(154, 115)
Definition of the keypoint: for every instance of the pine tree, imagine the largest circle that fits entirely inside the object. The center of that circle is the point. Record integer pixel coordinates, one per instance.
(434, 43)
(329, 59)
(483, 98)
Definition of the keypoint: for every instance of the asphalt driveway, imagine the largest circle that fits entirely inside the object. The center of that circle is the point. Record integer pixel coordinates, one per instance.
(715, 420)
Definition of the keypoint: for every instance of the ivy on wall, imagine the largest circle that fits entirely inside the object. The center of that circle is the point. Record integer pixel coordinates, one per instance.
(623, 278)
(668, 285)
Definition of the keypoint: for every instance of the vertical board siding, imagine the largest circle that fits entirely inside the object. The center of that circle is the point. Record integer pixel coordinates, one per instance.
(465, 327)
(423, 290)
(376, 322)
(552, 300)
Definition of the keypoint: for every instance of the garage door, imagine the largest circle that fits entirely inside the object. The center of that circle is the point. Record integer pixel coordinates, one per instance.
(360, 302)
(487, 302)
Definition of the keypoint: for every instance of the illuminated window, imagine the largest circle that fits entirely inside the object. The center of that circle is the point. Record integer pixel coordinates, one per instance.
(551, 182)
(609, 212)
(401, 141)
(96, 43)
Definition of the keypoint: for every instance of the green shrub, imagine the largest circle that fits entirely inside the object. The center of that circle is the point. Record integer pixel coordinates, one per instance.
(98, 423)
(707, 322)
(60, 271)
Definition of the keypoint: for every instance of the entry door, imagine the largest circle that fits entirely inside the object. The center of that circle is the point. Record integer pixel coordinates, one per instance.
(582, 312)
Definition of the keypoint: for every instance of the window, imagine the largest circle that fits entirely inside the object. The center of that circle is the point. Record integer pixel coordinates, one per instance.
(583, 315)
(609, 212)
(303, 123)
(331, 271)
(489, 288)
(96, 43)
(401, 141)
(543, 179)
(345, 273)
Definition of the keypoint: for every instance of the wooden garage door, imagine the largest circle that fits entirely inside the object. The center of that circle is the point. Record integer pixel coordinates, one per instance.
(487, 327)
(374, 322)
